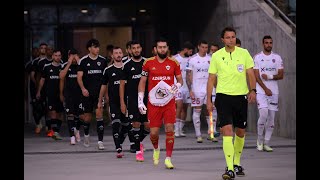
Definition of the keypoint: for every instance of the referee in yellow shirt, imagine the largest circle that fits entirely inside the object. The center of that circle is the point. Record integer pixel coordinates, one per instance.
(228, 71)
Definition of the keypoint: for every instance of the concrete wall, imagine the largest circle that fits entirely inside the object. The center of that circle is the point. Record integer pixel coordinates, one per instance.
(252, 20)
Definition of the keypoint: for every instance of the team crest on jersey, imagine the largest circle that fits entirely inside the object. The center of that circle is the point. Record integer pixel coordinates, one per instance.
(51, 70)
(130, 116)
(98, 63)
(161, 93)
(113, 115)
(88, 64)
(132, 69)
(67, 110)
(167, 67)
(69, 69)
(273, 60)
(262, 60)
(208, 62)
(154, 68)
(240, 67)
(50, 107)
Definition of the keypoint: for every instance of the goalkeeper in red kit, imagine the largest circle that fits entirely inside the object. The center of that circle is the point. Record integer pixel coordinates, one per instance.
(160, 72)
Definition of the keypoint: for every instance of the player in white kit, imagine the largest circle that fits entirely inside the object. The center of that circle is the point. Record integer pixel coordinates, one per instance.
(182, 96)
(197, 78)
(268, 68)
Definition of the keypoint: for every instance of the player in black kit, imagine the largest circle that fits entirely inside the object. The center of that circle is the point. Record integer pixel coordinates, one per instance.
(70, 94)
(50, 75)
(132, 73)
(111, 80)
(38, 106)
(89, 77)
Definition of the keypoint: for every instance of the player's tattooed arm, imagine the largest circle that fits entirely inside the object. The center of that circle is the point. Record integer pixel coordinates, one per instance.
(189, 79)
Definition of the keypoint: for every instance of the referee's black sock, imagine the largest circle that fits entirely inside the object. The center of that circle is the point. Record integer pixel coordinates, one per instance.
(54, 124)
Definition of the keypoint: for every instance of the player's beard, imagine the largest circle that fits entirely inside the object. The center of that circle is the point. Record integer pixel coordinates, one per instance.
(162, 56)
(186, 55)
(268, 49)
(136, 57)
(118, 59)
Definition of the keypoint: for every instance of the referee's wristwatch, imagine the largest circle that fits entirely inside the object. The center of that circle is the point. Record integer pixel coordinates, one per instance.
(254, 90)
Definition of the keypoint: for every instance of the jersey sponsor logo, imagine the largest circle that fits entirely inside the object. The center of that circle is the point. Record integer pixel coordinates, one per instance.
(168, 67)
(116, 82)
(268, 69)
(98, 63)
(159, 78)
(144, 73)
(94, 71)
(113, 74)
(202, 70)
(72, 75)
(137, 76)
(132, 69)
(54, 77)
(240, 67)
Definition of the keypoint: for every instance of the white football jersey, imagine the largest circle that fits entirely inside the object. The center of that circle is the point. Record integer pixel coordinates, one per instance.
(269, 65)
(183, 61)
(199, 67)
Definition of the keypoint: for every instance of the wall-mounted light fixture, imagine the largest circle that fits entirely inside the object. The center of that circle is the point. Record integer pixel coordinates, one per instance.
(84, 11)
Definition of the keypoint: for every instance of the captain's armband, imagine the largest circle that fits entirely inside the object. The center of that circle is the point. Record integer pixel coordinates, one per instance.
(144, 73)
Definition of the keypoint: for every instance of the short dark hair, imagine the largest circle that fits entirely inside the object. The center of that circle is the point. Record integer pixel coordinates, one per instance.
(227, 29)
(128, 44)
(133, 42)
(115, 47)
(238, 41)
(43, 44)
(187, 45)
(93, 42)
(109, 47)
(160, 39)
(216, 45)
(202, 42)
(266, 37)
(72, 51)
(56, 50)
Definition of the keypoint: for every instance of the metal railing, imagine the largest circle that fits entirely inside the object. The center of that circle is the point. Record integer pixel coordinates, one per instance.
(279, 14)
